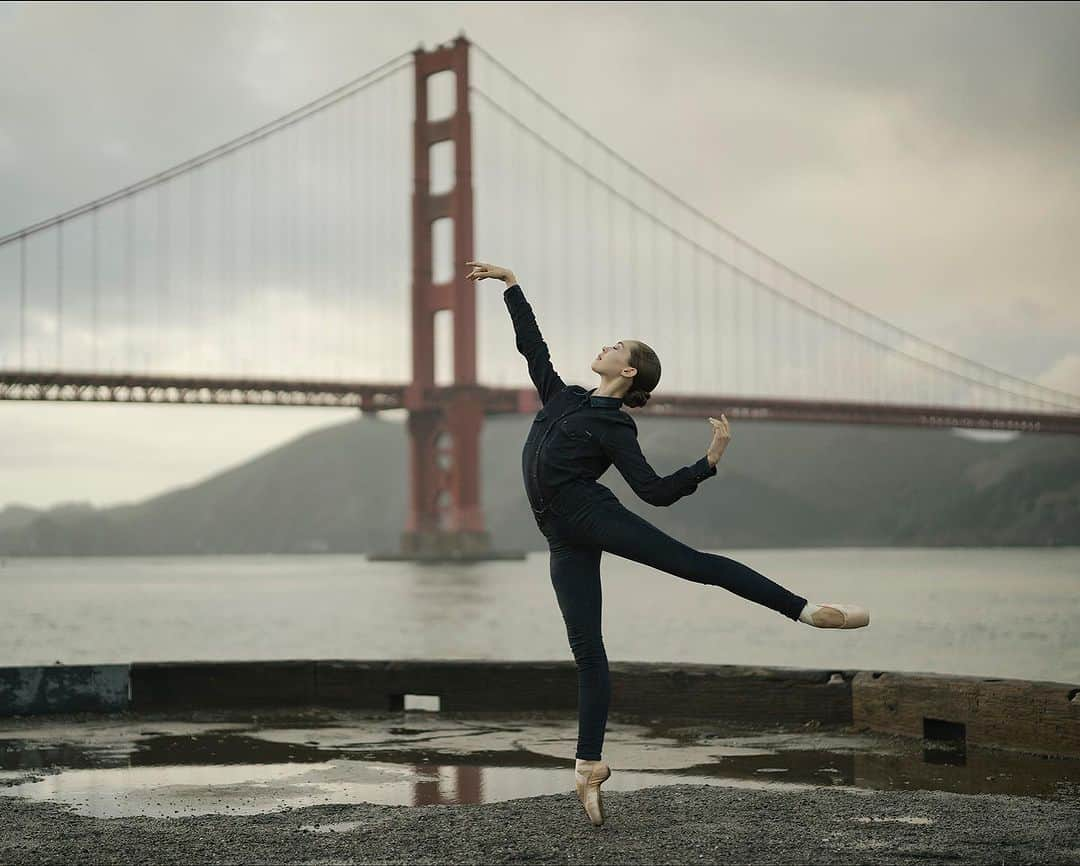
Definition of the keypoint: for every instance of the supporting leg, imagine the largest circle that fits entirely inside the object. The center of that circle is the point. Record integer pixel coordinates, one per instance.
(575, 575)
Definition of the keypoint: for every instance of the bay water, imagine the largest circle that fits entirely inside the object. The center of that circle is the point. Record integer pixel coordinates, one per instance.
(998, 612)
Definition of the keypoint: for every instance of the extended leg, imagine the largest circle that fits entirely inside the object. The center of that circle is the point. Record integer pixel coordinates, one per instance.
(575, 575)
(618, 530)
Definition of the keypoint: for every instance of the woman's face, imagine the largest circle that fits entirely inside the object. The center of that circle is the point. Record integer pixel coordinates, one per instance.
(613, 359)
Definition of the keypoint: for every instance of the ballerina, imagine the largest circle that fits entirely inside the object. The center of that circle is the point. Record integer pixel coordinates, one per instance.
(574, 438)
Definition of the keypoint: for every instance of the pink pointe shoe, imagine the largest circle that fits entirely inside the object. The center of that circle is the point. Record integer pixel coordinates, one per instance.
(588, 777)
(839, 616)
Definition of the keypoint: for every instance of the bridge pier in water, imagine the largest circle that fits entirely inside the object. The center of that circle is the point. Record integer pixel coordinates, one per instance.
(445, 519)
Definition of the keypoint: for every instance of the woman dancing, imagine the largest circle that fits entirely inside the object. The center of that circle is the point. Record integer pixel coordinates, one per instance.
(574, 438)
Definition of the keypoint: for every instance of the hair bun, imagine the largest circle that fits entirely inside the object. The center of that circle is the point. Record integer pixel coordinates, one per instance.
(635, 398)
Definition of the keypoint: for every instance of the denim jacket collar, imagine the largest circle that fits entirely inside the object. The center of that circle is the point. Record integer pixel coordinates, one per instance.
(603, 402)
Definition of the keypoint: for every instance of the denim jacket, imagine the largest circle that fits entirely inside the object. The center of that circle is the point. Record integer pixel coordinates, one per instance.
(577, 435)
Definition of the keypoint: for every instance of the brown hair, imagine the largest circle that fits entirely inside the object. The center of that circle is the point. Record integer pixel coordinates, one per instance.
(645, 360)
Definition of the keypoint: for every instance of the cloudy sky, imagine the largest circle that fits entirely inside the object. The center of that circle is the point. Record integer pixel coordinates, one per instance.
(922, 161)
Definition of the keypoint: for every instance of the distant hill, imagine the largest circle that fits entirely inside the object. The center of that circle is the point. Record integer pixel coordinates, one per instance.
(343, 489)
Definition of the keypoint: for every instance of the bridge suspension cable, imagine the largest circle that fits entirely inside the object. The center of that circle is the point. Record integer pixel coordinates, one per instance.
(1049, 397)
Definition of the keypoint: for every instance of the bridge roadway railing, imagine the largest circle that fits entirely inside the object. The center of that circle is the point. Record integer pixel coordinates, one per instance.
(381, 396)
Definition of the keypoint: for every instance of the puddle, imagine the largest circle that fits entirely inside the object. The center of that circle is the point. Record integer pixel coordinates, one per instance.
(248, 789)
(176, 769)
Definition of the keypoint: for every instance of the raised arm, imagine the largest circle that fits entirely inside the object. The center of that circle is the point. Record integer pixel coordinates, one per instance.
(620, 443)
(531, 344)
(529, 341)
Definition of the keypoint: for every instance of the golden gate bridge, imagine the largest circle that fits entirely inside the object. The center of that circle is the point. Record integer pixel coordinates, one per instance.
(318, 261)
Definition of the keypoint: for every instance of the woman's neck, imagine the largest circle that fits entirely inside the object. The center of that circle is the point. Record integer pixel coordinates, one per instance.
(611, 389)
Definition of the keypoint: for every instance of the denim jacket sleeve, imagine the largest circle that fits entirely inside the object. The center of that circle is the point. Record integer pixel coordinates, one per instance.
(531, 344)
(620, 443)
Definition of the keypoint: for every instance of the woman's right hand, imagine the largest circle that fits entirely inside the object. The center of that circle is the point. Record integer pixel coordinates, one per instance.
(720, 440)
(482, 270)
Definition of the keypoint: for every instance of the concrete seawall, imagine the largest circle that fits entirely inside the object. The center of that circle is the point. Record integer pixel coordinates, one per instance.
(1039, 717)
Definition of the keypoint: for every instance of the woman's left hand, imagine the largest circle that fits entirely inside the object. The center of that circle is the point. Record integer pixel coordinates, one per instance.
(720, 440)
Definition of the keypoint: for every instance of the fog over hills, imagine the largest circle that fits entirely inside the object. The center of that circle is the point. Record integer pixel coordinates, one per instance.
(343, 488)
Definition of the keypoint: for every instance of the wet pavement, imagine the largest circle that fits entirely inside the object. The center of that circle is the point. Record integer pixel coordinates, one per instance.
(111, 767)
(327, 773)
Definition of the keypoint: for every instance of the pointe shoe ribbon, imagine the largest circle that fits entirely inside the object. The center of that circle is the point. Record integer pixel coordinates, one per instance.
(851, 616)
(588, 781)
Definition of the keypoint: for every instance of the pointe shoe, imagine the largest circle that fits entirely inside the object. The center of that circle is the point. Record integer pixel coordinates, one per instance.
(588, 781)
(840, 616)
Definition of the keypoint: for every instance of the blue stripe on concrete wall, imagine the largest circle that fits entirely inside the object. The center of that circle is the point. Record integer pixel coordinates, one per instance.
(64, 689)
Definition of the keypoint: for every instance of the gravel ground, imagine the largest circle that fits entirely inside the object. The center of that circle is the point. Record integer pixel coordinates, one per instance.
(676, 824)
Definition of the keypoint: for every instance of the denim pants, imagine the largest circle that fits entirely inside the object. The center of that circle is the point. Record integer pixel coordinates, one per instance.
(576, 541)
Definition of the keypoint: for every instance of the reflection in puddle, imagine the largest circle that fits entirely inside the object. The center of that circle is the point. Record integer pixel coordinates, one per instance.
(248, 789)
(120, 768)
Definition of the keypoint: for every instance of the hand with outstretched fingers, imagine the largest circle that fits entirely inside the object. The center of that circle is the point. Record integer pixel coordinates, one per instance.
(483, 270)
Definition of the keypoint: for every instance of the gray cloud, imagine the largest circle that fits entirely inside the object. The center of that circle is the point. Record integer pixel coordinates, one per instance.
(992, 70)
